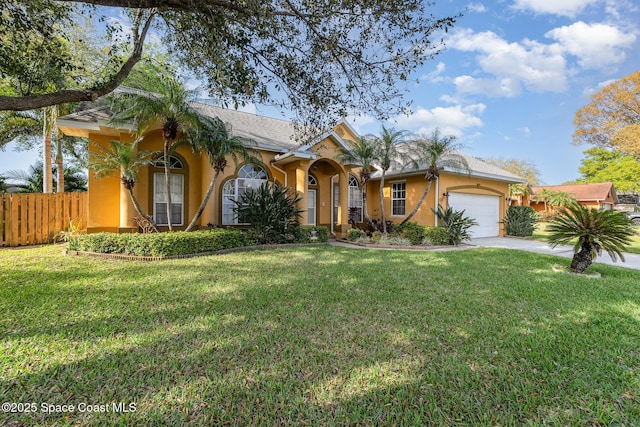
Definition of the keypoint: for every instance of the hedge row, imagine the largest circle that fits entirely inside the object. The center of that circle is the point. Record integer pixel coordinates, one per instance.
(161, 244)
(180, 242)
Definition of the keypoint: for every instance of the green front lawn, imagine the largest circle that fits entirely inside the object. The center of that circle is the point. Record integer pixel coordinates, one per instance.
(319, 336)
(542, 234)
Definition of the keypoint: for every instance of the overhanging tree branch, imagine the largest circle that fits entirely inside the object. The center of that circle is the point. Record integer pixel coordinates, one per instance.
(31, 102)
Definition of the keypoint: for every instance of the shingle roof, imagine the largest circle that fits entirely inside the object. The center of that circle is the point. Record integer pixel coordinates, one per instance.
(583, 192)
(477, 168)
(268, 133)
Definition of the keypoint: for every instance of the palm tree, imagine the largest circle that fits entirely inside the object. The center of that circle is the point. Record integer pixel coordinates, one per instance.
(214, 139)
(543, 196)
(593, 231)
(152, 97)
(123, 158)
(388, 153)
(363, 154)
(435, 152)
(33, 182)
(561, 199)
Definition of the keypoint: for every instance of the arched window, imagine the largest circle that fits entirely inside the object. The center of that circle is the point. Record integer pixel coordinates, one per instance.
(249, 177)
(355, 201)
(312, 180)
(177, 184)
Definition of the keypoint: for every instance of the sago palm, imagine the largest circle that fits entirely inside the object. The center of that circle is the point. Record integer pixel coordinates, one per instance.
(213, 139)
(125, 159)
(361, 153)
(150, 98)
(435, 152)
(590, 231)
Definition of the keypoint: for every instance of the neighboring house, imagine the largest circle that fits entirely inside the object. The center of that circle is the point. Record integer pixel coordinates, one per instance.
(600, 196)
(328, 189)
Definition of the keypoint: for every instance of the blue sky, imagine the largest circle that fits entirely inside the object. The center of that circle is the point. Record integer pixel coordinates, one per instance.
(511, 78)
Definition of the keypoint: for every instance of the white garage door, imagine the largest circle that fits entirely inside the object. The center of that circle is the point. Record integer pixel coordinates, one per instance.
(485, 210)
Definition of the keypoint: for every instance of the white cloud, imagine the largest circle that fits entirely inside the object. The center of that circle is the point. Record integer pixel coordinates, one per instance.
(555, 7)
(476, 7)
(435, 75)
(525, 130)
(591, 90)
(510, 66)
(595, 45)
(449, 120)
(361, 121)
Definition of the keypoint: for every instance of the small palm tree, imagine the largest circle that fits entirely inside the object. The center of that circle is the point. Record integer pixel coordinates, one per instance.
(561, 199)
(387, 153)
(213, 139)
(435, 152)
(152, 97)
(363, 154)
(123, 158)
(593, 232)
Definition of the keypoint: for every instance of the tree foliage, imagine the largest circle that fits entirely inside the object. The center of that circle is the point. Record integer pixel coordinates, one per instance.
(612, 118)
(334, 57)
(605, 165)
(523, 168)
(32, 180)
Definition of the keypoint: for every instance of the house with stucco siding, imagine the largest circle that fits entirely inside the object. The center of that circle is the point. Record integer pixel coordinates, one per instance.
(328, 190)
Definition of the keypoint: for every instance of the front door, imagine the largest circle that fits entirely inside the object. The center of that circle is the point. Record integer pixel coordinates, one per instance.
(311, 209)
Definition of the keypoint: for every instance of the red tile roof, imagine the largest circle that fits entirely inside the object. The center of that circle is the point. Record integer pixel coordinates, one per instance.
(583, 192)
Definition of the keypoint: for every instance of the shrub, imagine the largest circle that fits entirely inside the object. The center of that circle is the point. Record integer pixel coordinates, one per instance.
(355, 234)
(376, 236)
(435, 236)
(414, 232)
(520, 220)
(455, 223)
(590, 231)
(271, 211)
(162, 244)
(394, 240)
(304, 233)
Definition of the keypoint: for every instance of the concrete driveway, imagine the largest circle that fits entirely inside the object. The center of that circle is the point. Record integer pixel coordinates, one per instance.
(631, 260)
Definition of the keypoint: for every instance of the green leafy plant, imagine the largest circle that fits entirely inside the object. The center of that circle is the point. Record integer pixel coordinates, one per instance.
(272, 213)
(434, 236)
(162, 244)
(311, 234)
(71, 235)
(394, 240)
(455, 223)
(590, 231)
(520, 221)
(355, 234)
(414, 232)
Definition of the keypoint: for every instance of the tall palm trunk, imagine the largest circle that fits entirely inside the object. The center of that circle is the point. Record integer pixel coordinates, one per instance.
(212, 184)
(47, 173)
(59, 167)
(382, 213)
(364, 203)
(139, 209)
(422, 198)
(167, 181)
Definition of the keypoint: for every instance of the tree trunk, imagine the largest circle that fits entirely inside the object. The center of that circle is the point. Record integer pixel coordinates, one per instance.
(384, 218)
(59, 168)
(364, 204)
(204, 202)
(47, 174)
(422, 198)
(581, 259)
(167, 181)
(140, 211)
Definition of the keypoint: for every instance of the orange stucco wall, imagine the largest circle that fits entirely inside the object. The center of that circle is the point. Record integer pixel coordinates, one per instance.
(110, 208)
(415, 186)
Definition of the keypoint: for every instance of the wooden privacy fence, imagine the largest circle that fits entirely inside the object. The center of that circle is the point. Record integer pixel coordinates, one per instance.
(31, 219)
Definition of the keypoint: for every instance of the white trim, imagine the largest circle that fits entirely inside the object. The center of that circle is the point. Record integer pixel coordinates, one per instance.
(315, 207)
(391, 183)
